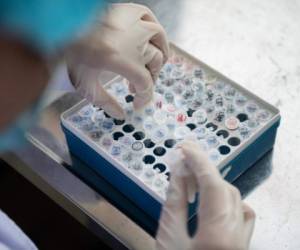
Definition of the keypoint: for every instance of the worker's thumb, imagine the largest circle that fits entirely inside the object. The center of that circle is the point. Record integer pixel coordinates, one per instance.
(210, 185)
(173, 221)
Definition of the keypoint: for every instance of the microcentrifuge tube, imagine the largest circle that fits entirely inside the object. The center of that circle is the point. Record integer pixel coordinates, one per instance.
(229, 93)
(149, 110)
(149, 124)
(159, 134)
(138, 119)
(181, 117)
(168, 82)
(196, 103)
(86, 111)
(129, 110)
(210, 108)
(188, 94)
(200, 116)
(127, 156)
(160, 182)
(160, 116)
(263, 115)
(198, 73)
(136, 166)
(240, 100)
(77, 120)
(106, 141)
(219, 115)
(169, 97)
(87, 125)
(170, 108)
(177, 74)
(171, 123)
(187, 81)
(137, 148)
(200, 132)
(107, 125)
(230, 108)
(251, 107)
(212, 141)
(161, 75)
(159, 89)
(219, 101)
(219, 85)
(181, 132)
(209, 95)
(232, 123)
(168, 67)
(252, 123)
(98, 117)
(214, 155)
(120, 89)
(149, 175)
(179, 102)
(115, 150)
(244, 131)
(96, 135)
(178, 88)
(126, 141)
(158, 101)
(197, 86)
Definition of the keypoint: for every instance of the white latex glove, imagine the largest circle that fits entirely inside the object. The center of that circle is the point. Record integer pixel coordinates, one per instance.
(225, 222)
(129, 41)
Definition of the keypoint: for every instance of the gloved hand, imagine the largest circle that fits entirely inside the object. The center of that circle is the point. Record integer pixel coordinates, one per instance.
(129, 41)
(225, 222)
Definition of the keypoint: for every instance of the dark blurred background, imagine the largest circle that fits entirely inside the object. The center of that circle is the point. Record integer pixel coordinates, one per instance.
(48, 225)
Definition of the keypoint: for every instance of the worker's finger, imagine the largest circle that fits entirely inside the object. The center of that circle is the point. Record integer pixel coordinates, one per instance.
(131, 88)
(96, 94)
(174, 213)
(158, 37)
(137, 12)
(176, 202)
(236, 209)
(249, 217)
(196, 160)
(212, 189)
(143, 97)
(146, 13)
(137, 75)
(154, 60)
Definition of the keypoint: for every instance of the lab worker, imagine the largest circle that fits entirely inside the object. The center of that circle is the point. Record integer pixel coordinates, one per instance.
(92, 36)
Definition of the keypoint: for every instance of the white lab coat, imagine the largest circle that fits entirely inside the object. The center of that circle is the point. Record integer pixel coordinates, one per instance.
(12, 237)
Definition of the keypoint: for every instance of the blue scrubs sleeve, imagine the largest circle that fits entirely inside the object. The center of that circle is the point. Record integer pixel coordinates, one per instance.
(12, 237)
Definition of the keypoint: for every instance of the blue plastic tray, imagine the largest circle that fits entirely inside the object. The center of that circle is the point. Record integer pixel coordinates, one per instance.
(244, 156)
